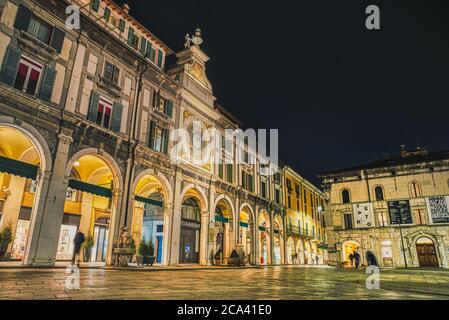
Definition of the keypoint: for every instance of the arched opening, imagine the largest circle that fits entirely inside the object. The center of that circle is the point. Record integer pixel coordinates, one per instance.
(149, 218)
(427, 254)
(20, 163)
(379, 193)
(264, 238)
(189, 250)
(89, 209)
(349, 248)
(345, 196)
(291, 252)
(223, 230)
(278, 241)
(300, 251)
(307, 253)
(246, 234)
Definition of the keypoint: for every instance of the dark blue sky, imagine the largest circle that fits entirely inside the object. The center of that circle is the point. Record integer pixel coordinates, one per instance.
(339, 94)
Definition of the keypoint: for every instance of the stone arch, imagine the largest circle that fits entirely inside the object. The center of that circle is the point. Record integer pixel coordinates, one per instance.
(198, 193)
(106, 157)
(228, 201)
(250, 209)
(162, 179)
(34, 135)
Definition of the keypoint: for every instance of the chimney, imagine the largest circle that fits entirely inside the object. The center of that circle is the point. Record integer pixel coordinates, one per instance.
(126, 8)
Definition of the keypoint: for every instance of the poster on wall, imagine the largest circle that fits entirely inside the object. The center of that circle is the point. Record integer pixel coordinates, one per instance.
(438, 208)
(363, 215)
(400, 212)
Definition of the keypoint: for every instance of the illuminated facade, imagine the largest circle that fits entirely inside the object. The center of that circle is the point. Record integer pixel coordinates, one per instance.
(395, 208)
(85, 121)
(304, 207)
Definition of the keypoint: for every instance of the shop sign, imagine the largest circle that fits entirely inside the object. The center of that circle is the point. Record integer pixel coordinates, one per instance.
(364, 216)
(438, 208)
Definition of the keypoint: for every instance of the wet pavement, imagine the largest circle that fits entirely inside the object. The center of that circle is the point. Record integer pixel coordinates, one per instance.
(286, 282)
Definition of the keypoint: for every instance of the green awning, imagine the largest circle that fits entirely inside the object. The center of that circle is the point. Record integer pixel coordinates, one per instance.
(90, 188)
(263, 229)
(243, 224)
(221, 219)
(149, 201)
(18, 168)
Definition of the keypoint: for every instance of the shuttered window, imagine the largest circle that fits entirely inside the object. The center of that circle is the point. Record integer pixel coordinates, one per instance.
(158, 138)
(48, 82)
(160, 58)
(95, 5)
(105, 113)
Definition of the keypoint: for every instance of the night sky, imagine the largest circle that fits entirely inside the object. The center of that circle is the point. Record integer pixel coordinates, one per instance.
(339, 93)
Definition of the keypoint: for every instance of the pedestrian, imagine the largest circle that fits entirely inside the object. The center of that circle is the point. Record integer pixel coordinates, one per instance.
(317, 259)
(296, 258)
(351, 259)
(77, 241)
(357, 259)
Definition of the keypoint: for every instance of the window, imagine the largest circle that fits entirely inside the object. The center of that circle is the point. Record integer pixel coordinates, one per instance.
(229, 173)
(132, 38)
(345, 197)
(289, 202)
(163, 105)
(28, 76)
(220, 171)
(104, 113)
(160, 228)
(121, 25)
(415, 189)
(160, 58)
(247, 181)
(40, 30)
(277, 196)
(95, 5)
(379, 193)
(107, 14)
(263, 188)
(111, 72)
(158, 138)
(348, 221)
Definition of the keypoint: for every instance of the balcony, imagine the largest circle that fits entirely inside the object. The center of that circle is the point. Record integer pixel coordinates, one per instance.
(293, 231)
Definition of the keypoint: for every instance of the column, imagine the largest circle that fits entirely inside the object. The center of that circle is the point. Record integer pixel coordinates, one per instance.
(168, 209)
(47, 215)
(204, 238)
(175, 225)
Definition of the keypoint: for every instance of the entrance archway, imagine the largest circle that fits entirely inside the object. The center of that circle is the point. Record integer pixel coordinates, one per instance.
(300, 251)
(427, 254)
(90, 206)
(264, 238)
(349, 247)
(291, 253)
(307, 253)
(246, 237)
(189, 249)
(278, 241)
(223, 230)
(149, 222)
(22, 159)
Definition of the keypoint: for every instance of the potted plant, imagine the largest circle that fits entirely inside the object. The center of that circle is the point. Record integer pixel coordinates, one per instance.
(5, 240)
(151, 257)
(234, 258)
(142, 252)
(87, 248)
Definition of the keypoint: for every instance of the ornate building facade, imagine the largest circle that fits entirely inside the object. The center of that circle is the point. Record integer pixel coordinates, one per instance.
(396, 209)
(87, 119)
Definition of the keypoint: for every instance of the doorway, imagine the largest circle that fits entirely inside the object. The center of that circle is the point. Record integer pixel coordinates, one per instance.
(427, 254)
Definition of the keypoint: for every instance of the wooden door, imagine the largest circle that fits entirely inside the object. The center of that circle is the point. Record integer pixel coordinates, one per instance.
(427, 255)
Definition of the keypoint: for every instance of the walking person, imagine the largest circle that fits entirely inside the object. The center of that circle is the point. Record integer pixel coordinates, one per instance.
(357, 259)
(317, 259)
(77, 241)
(351, 259)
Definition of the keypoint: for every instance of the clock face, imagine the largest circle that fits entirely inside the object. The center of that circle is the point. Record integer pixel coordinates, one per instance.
(197, 40)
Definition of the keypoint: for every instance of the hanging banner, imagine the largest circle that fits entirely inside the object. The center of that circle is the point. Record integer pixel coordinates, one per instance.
(363, 215)
(400, 212)
(438, 208)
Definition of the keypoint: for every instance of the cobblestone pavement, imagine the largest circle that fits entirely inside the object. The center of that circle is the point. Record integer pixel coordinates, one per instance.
(236, 284)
